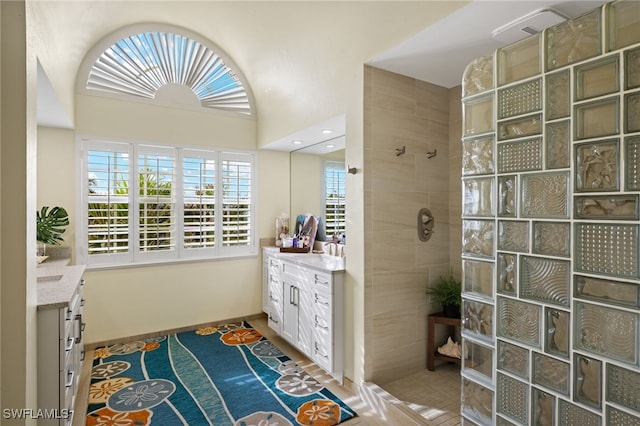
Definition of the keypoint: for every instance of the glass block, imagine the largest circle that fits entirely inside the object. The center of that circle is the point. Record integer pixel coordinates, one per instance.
(558, 144)
(606, 207)
(597, 118)
(477, 319)
(476, 402)
(519, 60)
(520, 99)
(542, 407)
(478, 277)
(623, 386)
(588, 381)
(623, 23)
(478, 115)
(551, 373)
(520, 156)
(632, 172)
(573, 40)
(597, 166)
(477, 238)
(606, 331)
(551, 238)
(617, 417)
(507, 273)
(513, 236)
(557, 91)
(512, 397)
(507, 189)
(477, 359)
(479, 197)
(520, 127)
(632, 112)
(519, 321)
(478, 76)
(557, 335)
(597, 78)
(501, 421)
(545, 195)
(632, 68)
(477, 156)
(606, 249)
(513, 359)
(571, 414)
(607, 291)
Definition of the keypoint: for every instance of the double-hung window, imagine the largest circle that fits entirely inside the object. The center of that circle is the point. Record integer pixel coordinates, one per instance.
(334, 197)
(144, 204)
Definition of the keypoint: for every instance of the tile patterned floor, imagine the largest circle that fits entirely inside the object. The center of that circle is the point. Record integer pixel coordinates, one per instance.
(433, 394)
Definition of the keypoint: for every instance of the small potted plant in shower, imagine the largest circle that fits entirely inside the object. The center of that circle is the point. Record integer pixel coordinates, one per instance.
(448, 293)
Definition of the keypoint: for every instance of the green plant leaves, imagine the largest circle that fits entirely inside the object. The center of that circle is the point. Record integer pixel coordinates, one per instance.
(50, 225)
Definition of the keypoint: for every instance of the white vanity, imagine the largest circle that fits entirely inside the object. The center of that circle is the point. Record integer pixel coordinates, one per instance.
(60, 347)
(302, 294)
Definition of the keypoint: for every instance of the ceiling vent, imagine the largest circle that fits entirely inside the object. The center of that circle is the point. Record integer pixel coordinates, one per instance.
(529, 24)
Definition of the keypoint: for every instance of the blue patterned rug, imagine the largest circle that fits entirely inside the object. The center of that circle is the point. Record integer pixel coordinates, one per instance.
(225, 375)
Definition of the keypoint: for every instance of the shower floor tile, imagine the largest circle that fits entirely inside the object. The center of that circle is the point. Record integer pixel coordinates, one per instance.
(435, 395)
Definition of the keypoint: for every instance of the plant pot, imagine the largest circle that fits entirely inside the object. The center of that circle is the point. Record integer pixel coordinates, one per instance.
(451, 311)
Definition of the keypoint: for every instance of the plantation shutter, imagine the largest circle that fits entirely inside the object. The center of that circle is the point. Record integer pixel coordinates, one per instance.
(156, 199)
(334, 198)
(237, 200)
(199, 198)
(107, 172)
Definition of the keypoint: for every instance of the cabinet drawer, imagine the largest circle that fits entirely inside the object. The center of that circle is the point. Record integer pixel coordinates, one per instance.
(296, 272)
(321, 281)
(322, 355)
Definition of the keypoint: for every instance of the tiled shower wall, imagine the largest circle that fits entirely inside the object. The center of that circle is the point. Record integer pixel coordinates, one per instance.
(403, 112)
(551, 184)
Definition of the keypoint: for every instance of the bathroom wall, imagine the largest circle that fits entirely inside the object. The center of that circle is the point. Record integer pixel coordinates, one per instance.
(402, 112)
(551, 165)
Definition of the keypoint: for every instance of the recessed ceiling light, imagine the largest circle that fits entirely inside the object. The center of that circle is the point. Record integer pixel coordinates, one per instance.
(296, 142)
(327, 131)
(330, 146)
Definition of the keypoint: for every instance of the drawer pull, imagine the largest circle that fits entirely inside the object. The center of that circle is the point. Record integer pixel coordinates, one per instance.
(321, 326)
(82, 355)
(70, 342)
(82, 302)
(317, 351)
(273, 319)
(69, 379)
(318, 301)
(80, 328)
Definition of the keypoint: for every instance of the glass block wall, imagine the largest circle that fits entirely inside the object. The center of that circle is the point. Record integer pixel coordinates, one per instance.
(550, 222)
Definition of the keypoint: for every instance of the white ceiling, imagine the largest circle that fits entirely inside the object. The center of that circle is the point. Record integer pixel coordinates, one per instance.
(440, 53)
(437, 54)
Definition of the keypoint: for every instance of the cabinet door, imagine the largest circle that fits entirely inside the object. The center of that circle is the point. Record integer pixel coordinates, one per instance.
(305, 316)
(289, 311)
(265, 285)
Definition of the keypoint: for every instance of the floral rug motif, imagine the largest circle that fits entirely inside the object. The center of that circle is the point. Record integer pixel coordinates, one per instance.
(224, 375)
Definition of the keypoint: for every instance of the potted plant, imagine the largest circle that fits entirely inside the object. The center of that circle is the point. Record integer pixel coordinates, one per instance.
(50, 225)
(448, 293)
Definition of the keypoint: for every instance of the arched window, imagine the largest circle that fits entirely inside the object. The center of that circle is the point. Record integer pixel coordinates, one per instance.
(165, 64)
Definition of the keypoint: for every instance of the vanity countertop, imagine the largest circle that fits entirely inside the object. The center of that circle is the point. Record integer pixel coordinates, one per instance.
(57, 284)
(321, 262)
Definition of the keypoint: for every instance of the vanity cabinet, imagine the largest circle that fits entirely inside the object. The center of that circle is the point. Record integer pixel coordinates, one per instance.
(305, 293)
(60, 347)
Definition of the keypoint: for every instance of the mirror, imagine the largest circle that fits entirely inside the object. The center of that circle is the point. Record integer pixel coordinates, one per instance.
(307, 167)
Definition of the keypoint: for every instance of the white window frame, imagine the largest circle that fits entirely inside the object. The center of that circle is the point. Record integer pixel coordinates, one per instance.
(133, 256)
(335, 164)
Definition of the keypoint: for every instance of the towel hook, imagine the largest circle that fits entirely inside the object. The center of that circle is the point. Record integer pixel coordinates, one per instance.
(400, 151)
(432, 153)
